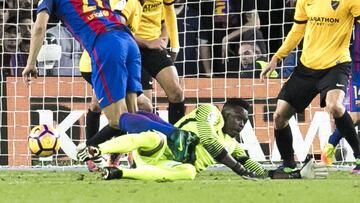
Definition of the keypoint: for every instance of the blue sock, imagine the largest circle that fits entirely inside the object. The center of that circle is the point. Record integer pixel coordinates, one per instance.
(335, 138)
(154, 117)
(137, 123)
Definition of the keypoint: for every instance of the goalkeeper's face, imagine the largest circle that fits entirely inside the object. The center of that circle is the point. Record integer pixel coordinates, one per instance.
(235, 119)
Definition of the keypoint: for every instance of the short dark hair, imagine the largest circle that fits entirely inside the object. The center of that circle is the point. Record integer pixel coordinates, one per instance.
(233, 102)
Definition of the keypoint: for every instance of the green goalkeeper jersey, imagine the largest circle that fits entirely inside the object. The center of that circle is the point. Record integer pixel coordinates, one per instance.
(206, 122)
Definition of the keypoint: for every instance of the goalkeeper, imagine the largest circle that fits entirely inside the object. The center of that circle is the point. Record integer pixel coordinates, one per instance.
(206, 137)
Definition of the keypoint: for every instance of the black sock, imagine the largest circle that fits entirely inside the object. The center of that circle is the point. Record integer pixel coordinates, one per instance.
(176, 111)
(104, 135)
(347, 129)
(92, 123)
(284, 141)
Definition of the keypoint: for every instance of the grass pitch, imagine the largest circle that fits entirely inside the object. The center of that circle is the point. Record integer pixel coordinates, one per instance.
(209, 186)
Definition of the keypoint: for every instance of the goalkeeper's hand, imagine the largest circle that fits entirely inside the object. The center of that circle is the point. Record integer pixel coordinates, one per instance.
(85, 153)
(245, 173)
(313, 170)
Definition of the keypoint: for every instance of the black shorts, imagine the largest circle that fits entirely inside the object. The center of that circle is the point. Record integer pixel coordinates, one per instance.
(146, 80)
(87, 77)
(153, 60)
(304, 84)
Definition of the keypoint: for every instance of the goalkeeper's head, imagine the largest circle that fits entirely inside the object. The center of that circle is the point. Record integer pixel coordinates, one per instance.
(235, 114)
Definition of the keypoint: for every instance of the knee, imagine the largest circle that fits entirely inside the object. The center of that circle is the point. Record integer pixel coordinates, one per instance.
(336, 109)
(189, 172)
(114, 123)
(280, 121)
(145, 105)
(176, 95)
(94, 107)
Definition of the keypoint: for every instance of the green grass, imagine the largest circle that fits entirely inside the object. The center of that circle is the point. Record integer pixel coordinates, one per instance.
(209, 186)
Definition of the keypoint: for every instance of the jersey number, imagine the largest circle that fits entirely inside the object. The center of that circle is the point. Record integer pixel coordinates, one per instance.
(88, 8)
(356, 92)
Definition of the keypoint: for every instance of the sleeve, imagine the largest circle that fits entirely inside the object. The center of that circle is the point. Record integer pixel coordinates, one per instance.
(128, 9)
(46, 5)
(300, 15)
(297, 31)
(208, 116)
(169, 2)
(238, 152)
(118, 5)
(171, 25)
(355, 9)
(292, 40)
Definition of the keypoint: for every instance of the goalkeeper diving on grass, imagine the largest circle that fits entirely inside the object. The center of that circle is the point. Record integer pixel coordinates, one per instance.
(203, 138)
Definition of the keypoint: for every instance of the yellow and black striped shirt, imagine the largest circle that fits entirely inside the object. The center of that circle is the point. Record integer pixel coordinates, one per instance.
(154, 11)
(206, 122)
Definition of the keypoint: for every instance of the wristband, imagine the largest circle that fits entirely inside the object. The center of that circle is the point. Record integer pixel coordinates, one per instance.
(175, 50)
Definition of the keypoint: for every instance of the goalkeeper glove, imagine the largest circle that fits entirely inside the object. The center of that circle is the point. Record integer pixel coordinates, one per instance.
(245, 173)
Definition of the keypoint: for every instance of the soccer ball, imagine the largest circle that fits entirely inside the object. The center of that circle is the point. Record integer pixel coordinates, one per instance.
(43, 140)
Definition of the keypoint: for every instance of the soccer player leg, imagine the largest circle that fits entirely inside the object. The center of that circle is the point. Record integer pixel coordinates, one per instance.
(337, 81)
(160, 66)
(93, 118)
(164, 170)
(283, 134)
(169, 81)
(151, 162)
(109, 78)
(130, 123)
(144, 103)
(147, 85)
(154, 117)
(133, 66)
(145, 141)
(295, 96)
(94, 112)
(328, 152)
(310, 170)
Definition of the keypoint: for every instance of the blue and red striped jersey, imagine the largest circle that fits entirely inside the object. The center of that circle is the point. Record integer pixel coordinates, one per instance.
(85, 19)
